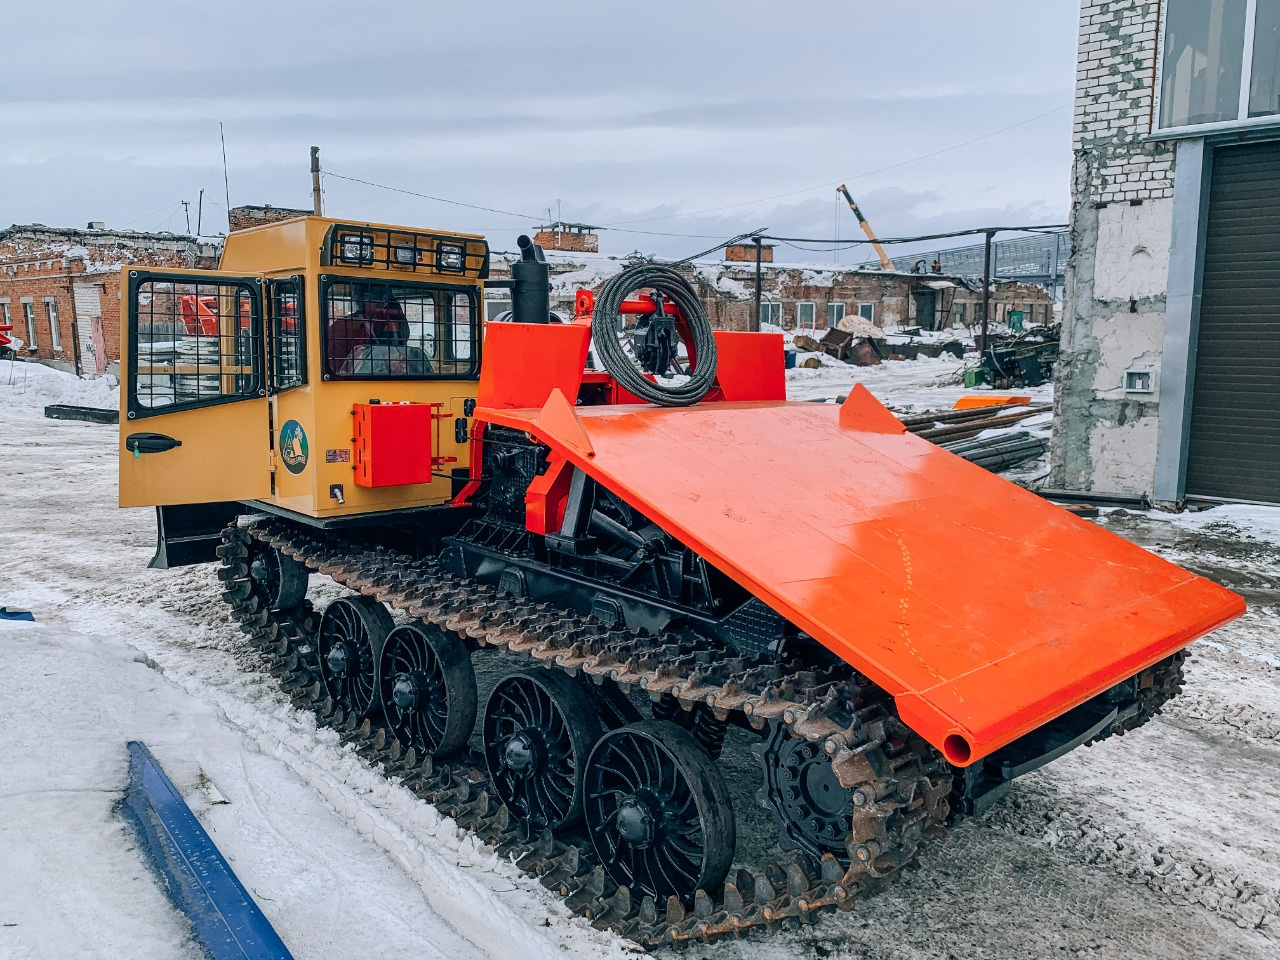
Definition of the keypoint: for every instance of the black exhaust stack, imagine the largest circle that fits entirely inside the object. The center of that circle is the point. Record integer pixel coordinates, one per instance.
(530, 284)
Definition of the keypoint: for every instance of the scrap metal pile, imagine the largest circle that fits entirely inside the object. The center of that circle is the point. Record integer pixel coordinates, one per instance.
(961, 431)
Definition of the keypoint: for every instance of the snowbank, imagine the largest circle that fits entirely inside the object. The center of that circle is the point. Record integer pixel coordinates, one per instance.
(26, 388)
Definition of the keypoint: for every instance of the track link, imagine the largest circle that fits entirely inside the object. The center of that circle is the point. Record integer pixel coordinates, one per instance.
(900, 785)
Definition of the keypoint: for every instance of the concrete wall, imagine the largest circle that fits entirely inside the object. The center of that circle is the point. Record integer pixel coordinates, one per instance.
(1117, 277)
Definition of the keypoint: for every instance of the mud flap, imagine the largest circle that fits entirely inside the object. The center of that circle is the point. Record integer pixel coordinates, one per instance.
(190, 533)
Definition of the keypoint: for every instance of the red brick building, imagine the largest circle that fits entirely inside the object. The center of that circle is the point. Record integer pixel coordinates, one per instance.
(804, 297)
(60, 287)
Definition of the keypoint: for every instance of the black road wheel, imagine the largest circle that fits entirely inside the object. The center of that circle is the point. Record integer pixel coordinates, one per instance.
(349, 640)
(428, 689)
(539, 727)
(280, 582)
(814, 813)
(658, 811)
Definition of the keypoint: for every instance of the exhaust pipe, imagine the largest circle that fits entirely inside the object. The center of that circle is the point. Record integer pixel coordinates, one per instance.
(530, 284)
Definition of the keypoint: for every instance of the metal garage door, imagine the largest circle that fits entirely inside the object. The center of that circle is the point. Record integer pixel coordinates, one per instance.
(1234, 450)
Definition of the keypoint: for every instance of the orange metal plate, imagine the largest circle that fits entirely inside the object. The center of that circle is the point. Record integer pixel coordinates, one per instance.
(983, 609)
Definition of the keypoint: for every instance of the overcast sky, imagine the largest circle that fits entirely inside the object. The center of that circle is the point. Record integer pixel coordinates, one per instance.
(698, 118)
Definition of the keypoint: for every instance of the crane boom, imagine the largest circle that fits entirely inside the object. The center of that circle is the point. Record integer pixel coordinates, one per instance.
(866, 228)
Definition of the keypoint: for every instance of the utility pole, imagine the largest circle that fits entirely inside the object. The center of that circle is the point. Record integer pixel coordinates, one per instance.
(755, 326)
(186, 209)
(986, 287)
(316, 205)
(200, 212)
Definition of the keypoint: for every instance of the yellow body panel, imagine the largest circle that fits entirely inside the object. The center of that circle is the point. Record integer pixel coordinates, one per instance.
(249, 449)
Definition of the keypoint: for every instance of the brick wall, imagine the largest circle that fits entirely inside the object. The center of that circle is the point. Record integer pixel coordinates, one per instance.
(1115, 95)
(568, 241)
(746, 253)
(42, 265)
(1104, 440)
(243, 218)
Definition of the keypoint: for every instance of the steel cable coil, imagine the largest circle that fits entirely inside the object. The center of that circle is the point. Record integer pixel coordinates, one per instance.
(608, 323)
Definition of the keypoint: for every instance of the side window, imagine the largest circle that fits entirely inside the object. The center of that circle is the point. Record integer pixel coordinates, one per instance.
(195, 342)
(288, 334)
(460, 308)
(380, 330)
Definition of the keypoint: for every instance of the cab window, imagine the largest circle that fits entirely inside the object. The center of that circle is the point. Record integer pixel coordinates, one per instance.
(195, 342)
(375, 330)
(287, 326)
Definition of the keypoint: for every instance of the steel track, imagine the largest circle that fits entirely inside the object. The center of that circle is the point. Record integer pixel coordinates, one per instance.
(899, 783)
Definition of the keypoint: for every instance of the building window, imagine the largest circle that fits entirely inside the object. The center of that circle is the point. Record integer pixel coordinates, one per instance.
(835, 313)
(5, 319)
(54, 337)
(29, 314)
(867, 311)
(771, 313)
(960, 310)
(1210, 72)
(806, 313)
(1264, 81)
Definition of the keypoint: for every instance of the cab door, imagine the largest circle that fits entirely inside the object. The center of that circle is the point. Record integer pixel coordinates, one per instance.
(193, 398)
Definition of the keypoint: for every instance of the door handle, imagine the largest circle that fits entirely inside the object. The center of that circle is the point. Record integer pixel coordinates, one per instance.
(140, 443)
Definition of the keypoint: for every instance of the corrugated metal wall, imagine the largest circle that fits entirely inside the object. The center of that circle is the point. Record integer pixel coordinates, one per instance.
(1234, 450)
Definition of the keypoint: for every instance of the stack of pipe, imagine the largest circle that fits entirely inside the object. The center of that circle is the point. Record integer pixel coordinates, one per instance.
(1001, 452)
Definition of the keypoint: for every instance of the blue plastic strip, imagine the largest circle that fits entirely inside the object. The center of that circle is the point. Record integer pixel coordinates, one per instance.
(227, 921)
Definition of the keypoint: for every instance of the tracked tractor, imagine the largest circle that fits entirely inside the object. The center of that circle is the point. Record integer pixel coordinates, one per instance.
(670, 552)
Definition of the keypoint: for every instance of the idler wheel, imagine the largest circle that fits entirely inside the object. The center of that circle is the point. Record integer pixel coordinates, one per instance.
(539, 727)
(428, 689)
(350, 637)
(280, 582)
(658, 811)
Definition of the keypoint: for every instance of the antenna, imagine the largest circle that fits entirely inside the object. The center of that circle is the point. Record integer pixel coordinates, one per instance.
(200, 212)
(226, 183)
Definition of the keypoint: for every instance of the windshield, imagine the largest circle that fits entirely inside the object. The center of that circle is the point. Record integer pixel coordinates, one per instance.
(375, 330)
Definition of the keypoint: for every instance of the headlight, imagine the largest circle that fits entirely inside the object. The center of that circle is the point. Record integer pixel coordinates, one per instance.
(355, 248)
(406, 253)
(451, 257)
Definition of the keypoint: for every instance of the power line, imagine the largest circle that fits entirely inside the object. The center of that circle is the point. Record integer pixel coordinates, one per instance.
(977, 231)
(856, 176)
(426, 196)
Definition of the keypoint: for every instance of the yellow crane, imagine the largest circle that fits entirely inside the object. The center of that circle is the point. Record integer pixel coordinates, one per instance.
(866, 228)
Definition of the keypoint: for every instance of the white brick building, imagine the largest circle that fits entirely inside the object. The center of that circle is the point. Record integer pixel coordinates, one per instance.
(1170, 381)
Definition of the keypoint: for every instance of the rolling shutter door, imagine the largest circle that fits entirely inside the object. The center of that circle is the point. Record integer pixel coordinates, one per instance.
(1234, 449)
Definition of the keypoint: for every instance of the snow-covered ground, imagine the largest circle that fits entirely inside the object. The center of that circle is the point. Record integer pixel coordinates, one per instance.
(1159, 844)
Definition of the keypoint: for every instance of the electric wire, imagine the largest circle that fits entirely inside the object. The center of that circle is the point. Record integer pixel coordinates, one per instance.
(608, 324)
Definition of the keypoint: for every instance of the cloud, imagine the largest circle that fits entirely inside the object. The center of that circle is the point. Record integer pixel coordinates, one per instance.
(617, 112)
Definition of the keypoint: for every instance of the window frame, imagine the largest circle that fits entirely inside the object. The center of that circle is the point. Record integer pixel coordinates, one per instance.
(1242, 119)
(29, 315)
(474, 294)
(257, 389)
(490, 314)
(870, 315)
(771, 312)
(274, 333)
(831, 305)
(813, 317)
(51, 313)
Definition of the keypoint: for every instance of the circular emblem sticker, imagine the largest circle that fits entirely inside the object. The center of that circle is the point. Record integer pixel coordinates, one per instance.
(293, 446)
